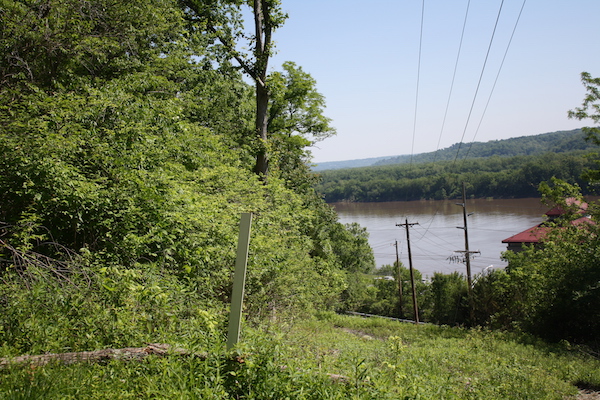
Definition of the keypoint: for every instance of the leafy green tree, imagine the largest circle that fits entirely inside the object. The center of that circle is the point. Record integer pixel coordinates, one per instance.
(288, 112)
(590, 109)
(222, 20)
(449, 302)
(296, 106)
(296, 121)
(350, 243)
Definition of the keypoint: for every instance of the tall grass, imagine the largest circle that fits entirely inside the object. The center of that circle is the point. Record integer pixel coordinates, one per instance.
(334, 357)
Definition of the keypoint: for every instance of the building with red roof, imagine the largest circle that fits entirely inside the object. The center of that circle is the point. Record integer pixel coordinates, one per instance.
(535, 235)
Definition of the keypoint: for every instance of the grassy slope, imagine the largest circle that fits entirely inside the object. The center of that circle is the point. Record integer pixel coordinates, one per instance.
(379, 359)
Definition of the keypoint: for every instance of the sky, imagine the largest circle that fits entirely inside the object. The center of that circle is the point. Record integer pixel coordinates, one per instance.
(394, 86)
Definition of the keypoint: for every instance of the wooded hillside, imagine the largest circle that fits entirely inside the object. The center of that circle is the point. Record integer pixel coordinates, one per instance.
(495, 176)
(553, 142)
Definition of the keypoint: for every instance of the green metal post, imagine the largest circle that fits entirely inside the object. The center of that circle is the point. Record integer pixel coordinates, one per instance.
(239, 280)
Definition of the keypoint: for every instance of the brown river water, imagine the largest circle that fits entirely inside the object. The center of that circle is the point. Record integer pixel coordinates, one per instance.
(436, 238)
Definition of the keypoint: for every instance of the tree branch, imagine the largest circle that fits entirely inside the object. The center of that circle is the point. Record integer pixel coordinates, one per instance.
(236, 56)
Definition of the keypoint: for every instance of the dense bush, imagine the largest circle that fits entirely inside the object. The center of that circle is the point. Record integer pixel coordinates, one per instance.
(550, 292)
(127, 152)
(449, 299)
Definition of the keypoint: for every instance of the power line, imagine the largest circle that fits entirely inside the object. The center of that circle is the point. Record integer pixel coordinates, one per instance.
(462, 35)
(496, 80)
(412, 149)
(479, 83)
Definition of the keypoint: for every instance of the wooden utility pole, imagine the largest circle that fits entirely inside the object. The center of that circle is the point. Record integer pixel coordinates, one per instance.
(412, 276)
(467, 252)
(464, 227)
(399, 279)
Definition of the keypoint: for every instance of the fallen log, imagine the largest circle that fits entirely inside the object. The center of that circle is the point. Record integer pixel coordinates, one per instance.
(128, 353)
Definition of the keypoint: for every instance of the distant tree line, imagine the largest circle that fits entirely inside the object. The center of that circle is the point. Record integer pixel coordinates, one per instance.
(496, 176)
(553, 142)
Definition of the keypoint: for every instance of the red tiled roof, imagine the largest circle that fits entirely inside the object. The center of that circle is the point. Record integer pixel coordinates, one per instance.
(531, 235)
(558, 211)
(537, 233)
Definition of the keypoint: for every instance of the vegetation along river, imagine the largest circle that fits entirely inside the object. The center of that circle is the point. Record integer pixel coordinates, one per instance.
(436, 238)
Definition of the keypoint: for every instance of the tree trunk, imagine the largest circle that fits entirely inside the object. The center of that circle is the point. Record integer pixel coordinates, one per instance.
(263, 31)
(261, 167)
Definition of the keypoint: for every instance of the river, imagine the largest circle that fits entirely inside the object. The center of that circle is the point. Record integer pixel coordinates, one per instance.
(436, 238)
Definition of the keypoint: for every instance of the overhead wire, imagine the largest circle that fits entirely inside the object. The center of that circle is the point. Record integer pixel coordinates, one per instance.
(496, 80)
(479, 82)
(451, 90)
(412, 149)
(462, 35)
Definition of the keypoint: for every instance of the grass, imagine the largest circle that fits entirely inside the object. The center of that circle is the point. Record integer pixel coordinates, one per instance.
(377, 359)
(431, 362)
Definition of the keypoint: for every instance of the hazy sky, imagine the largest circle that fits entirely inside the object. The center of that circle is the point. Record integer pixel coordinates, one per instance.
(364, 56)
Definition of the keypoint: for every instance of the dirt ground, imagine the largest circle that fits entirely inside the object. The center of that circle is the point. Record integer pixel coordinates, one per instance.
(588, 395)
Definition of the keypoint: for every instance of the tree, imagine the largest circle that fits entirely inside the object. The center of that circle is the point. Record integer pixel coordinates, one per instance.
(296, 107)
(449, 299)
(350, 243)
(222, 19)
(590, 109)
(296, 121)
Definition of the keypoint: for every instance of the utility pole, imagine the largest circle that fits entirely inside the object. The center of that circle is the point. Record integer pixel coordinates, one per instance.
(399, 279)
(467, 252)
(412, 276)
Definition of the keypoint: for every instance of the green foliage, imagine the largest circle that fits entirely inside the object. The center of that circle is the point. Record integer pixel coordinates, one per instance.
(559, 193)
(359, 292)
(295, 122)
(126, 165)
(449, 299)
(590, 109)
(296, 106)
(496, 176)
(69, 309)
(372, 359)
(374, 294)
(551, 292)
(350, 243)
